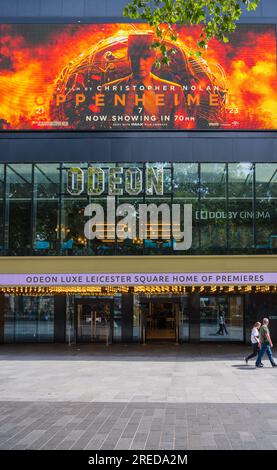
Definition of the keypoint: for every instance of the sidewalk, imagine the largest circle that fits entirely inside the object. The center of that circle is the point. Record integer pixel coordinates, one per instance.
(135, 397)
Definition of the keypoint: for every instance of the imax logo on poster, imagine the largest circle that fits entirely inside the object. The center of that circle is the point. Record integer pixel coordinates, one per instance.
(137, 221)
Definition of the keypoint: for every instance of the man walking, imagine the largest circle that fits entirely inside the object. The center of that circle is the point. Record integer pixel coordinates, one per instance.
(266, 344)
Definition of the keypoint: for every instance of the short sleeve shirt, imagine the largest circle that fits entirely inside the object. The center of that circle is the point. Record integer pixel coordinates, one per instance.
(263, 332)
(254, 335)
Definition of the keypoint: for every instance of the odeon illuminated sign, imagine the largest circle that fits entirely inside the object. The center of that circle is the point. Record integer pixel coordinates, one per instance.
(129, 279)
(130, 221)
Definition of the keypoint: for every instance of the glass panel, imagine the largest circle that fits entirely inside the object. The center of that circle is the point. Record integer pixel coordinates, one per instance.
(186, 180)
(18, 234)
(136, 319)
(70, 327)
(41, 219)
(165, 168)
(73, 240)
(235, 318)
(240, 208)
(45, 313)
(134, 245)
(158, 231)
(46, 209)
(74, 184)
(266, 207)
(71, 229)
(212, 213)
(186, 191)
(160, 319)
(93, 319)
(117, 318)
(184, 319)
(180, 226)
(29, 319)
(9, 319)
(101, 245)
(221, 318)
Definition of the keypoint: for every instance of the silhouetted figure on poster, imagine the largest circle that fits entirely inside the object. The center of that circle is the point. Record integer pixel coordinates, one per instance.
(142, 93)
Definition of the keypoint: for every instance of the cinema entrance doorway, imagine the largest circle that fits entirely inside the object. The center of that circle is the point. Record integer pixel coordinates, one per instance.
(93, 318)
(164, 319)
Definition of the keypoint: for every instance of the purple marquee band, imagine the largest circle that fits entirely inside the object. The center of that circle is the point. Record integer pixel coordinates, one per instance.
(94, 279)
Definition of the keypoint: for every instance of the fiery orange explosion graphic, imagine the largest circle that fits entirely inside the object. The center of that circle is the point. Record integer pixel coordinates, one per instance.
(33, 56)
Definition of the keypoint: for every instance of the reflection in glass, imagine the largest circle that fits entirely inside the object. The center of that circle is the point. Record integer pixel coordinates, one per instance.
(137, 326)
(240, 208)
(165, 169)
(117, 318)
(70, 333)
(221, 318)
(183, 319)
(158, 230)
(46, 209)
(213, 211)
(186, 180)
(73, 241)
(18, 209)
(134, 245)
(186, 191)
(234, 209)
(29, 319)
(266, 207)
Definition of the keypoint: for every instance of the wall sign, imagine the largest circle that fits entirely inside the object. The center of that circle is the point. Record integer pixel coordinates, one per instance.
(113, 279)
(103, 77)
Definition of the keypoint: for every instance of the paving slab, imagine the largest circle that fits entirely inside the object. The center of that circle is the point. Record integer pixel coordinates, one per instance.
(135, 397)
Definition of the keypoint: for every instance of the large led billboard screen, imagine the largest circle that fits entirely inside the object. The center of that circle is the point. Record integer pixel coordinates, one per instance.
(104, 77)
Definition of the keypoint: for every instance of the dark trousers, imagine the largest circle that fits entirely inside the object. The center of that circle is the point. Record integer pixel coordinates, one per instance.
(221, 330)
(255, 351)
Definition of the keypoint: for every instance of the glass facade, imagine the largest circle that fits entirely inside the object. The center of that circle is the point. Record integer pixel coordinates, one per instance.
(233, 209)
(138, 318)
(221, 318)
(29, 319)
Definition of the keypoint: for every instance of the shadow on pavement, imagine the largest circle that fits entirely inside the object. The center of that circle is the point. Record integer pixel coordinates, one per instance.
(124, 352)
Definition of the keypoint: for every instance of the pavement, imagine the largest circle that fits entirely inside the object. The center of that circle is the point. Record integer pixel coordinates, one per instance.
(157, 396)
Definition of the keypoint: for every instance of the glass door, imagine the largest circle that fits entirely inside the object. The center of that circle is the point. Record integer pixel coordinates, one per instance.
(182, 319)
(93, 320)
(157, 318)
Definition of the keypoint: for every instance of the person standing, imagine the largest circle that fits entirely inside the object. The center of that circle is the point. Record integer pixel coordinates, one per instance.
(266, 344)
(255, 341)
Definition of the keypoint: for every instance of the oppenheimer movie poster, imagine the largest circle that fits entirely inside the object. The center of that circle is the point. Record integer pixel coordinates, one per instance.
(104, 77)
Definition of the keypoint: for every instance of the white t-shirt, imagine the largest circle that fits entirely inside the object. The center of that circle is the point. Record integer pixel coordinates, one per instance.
(254, 335)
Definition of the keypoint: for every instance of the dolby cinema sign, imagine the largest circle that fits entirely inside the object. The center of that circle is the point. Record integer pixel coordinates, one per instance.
(125, 220)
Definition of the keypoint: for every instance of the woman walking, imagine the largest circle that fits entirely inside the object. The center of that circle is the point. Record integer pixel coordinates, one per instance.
(255, 340)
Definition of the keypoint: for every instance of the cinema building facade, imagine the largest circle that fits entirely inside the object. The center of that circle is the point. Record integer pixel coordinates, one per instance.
(59, 285)
(81, 260)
